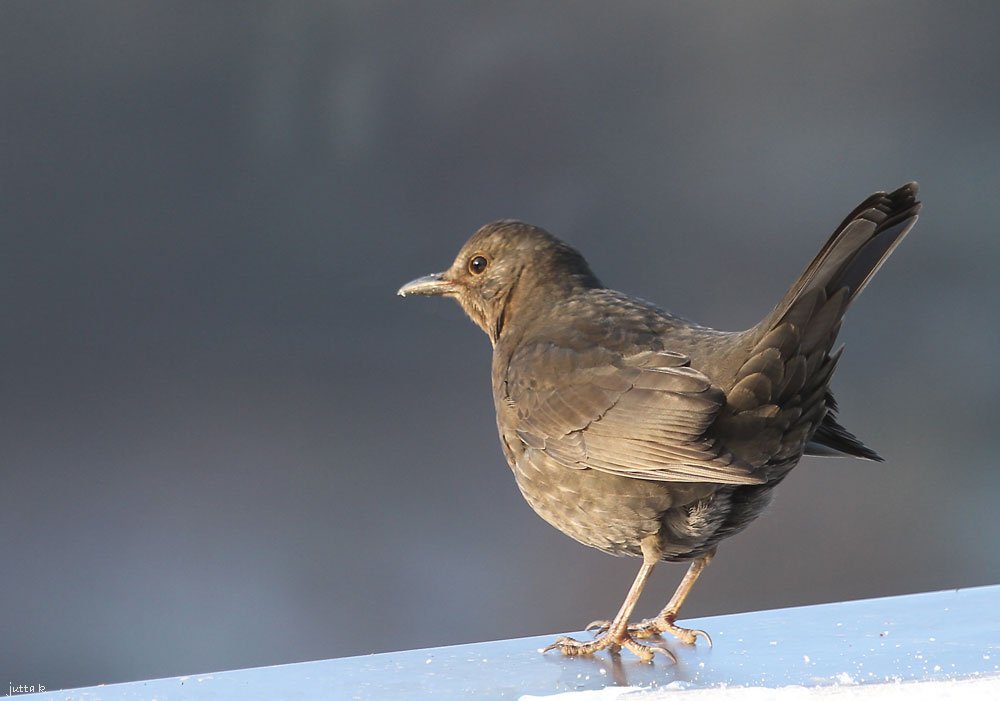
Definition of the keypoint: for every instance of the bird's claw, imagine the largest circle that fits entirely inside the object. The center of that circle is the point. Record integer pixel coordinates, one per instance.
(660, 625)
(689, 636)
(613, 643)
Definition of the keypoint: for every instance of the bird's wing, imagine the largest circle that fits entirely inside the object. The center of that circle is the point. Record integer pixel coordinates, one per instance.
(643, 416)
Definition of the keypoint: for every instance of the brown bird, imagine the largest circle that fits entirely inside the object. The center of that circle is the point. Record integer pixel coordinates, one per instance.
(637, 432)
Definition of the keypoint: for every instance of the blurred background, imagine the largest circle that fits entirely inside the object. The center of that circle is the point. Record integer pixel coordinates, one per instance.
(224, 442)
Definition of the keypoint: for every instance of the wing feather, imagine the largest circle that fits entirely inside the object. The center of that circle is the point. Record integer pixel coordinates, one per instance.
(644, 416)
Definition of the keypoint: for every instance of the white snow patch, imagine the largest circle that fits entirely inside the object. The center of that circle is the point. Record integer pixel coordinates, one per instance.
(950, 690)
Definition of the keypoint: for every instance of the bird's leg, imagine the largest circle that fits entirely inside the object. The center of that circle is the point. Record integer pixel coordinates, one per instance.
(617, 634)
(664, 621)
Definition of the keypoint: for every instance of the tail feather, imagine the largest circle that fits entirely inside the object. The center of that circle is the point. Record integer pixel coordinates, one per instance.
(851, 256)
(832, 439)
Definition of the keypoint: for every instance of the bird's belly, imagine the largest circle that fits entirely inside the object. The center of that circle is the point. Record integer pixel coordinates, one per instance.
(614, 513)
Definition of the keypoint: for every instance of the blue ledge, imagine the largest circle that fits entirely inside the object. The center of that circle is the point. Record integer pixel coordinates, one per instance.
(951, 635)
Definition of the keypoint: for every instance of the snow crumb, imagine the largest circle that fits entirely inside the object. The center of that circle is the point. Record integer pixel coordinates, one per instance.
(845, 678)
(805, 658)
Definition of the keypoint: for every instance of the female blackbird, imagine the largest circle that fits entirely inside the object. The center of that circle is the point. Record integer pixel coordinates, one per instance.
(639, 433)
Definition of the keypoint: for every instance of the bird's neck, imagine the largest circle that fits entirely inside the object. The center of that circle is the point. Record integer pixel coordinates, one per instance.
(530, 302)
(499, 322)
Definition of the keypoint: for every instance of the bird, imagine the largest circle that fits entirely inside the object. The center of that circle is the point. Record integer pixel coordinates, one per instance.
(638, 432)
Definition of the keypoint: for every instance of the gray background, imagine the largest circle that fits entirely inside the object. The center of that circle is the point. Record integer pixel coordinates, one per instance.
(224, 442)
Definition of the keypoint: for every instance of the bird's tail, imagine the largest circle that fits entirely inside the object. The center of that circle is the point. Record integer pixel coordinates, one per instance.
(816, 302)
(799, 333)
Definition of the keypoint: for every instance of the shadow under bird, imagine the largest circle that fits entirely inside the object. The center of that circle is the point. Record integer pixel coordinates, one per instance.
(637, 432)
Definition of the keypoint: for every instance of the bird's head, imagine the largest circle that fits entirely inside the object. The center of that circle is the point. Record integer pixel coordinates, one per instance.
(503, 264)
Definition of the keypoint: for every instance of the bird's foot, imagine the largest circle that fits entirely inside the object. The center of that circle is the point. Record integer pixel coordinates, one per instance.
(613, 642)
(653, 627)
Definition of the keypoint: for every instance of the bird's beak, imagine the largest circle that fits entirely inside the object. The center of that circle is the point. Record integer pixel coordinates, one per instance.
(427, 285)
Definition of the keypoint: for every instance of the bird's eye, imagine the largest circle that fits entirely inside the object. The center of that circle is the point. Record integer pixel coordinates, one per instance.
(477, 264)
